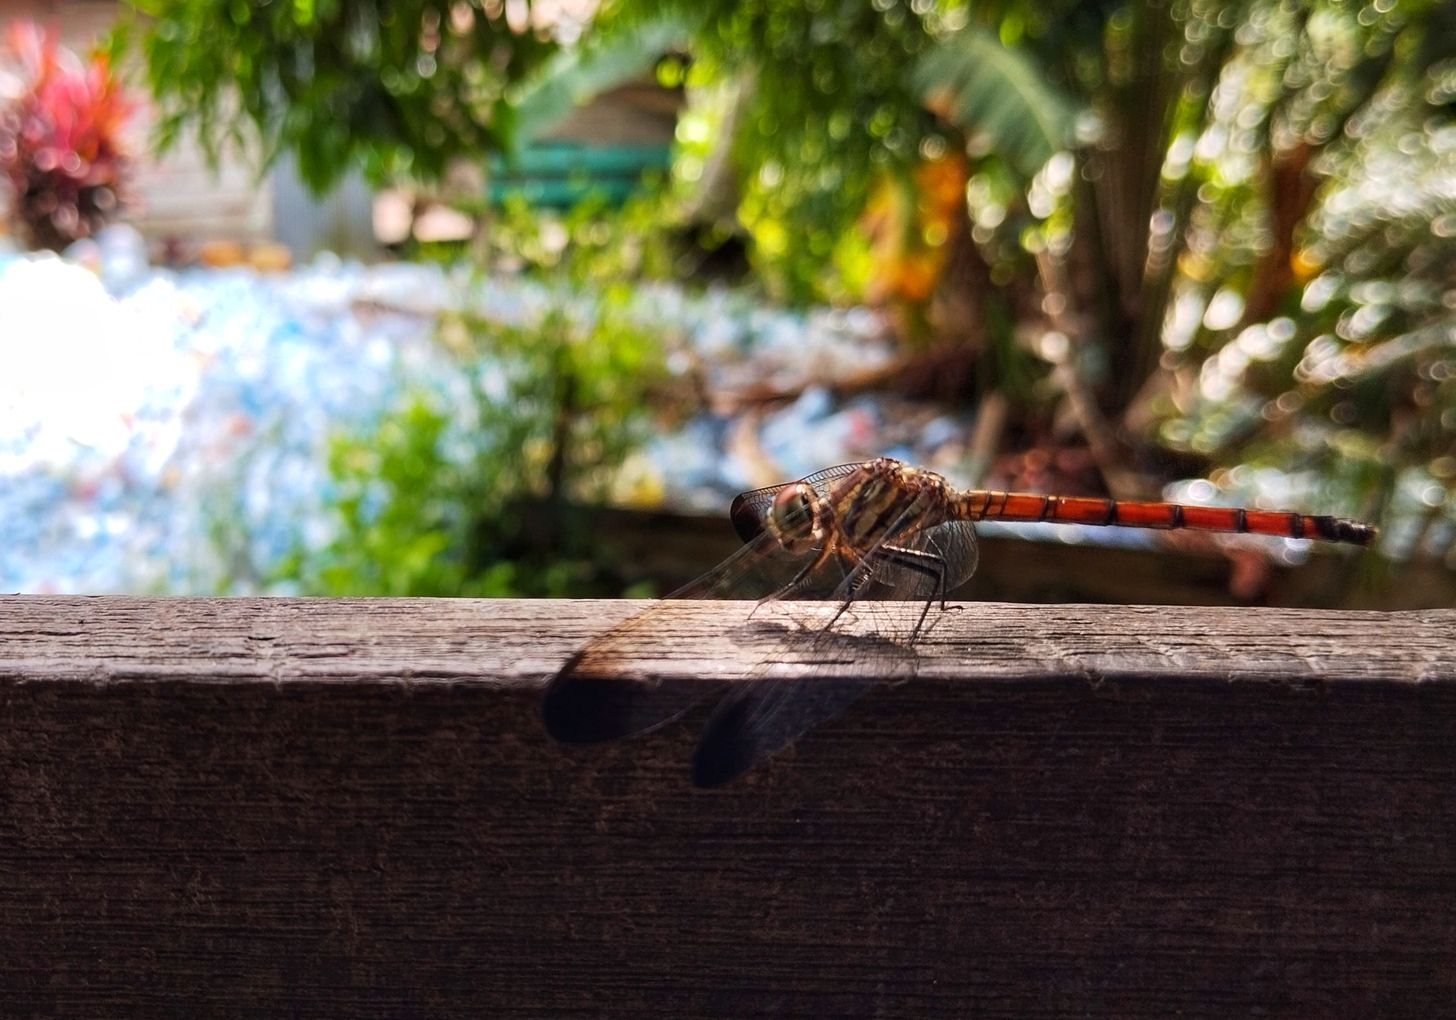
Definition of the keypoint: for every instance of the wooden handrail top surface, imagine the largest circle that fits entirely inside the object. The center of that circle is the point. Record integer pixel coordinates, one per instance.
(521, 642)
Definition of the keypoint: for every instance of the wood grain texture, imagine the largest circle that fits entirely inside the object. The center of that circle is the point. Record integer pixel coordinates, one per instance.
(348, 808)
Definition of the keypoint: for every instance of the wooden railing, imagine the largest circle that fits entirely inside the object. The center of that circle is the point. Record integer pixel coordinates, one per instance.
(348, 808)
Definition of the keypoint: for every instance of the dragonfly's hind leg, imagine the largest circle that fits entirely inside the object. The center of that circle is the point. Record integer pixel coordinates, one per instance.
(921, 562)
(929, 564)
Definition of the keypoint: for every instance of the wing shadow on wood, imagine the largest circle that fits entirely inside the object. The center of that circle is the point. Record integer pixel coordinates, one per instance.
(808, 678)
(595, 705)
(812, 679)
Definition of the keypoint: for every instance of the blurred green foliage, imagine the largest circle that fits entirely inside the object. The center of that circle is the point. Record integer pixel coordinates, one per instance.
(824, 110)
(823, 103)
(590, 248)
(400, 505)
(481, 492)
(393, 89)
(1198, 237)
(1225, 229)
(1311, 329)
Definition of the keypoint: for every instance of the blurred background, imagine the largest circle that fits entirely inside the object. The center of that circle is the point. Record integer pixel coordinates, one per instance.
(488, 297)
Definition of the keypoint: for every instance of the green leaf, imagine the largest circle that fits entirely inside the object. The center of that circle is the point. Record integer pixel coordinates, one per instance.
(573, 77)
(986, 89)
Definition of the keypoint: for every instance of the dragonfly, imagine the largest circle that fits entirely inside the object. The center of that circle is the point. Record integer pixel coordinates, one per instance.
(845, 540)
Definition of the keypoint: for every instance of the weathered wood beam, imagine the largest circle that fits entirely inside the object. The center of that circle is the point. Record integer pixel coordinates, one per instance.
(348, 808)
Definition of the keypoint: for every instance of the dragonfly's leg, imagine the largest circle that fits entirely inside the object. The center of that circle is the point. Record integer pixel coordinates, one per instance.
(844, 603)
(799, 578)
(917, 560)
(857, 579)
(921, 562)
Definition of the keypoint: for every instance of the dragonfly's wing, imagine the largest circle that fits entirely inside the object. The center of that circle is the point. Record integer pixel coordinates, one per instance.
(914, 567)
(750, 509)
(606, 691)
(830, 670)
(955, 543)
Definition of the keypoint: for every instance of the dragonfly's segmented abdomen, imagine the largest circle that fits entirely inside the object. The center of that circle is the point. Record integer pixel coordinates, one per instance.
(1017, 506)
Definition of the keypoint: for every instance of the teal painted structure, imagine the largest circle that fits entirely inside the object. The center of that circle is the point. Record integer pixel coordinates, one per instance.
(557, 175)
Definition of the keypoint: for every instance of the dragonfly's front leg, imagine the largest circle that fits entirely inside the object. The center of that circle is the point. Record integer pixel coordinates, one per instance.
(803, 575)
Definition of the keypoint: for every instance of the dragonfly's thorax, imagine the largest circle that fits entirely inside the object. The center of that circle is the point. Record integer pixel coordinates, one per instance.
(884, 501)
(795, 518)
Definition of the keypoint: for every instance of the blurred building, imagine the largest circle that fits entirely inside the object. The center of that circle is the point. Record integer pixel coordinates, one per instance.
(177, 195)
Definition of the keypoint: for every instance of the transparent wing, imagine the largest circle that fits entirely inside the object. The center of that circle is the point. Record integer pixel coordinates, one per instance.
(604, 693)
(811, 679)
(925, 565)
(750, 509)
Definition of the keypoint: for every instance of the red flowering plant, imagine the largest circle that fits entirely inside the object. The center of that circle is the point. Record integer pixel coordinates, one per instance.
(61, 152)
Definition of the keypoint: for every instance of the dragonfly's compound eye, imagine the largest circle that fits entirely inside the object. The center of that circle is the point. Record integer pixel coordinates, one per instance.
(792, 516)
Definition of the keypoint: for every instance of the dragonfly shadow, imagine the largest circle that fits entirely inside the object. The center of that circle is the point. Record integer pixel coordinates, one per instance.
(814, 678)
(809, 678)
(584, 705)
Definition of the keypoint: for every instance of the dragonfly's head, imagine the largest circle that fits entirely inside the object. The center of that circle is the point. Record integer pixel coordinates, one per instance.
(794, 517)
